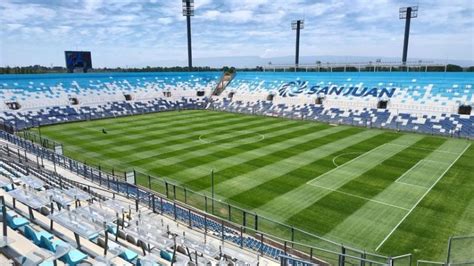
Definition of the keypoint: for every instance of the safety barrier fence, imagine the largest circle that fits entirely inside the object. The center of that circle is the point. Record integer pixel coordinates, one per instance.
(339, 120)
(16, 125)
(233, 224)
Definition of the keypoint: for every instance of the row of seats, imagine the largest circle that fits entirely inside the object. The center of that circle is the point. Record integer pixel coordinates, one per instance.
(182, 214)
(442, 124)
(169, 209)
(56, 114)
(17, 170)
(47, 240)
(60, 87)
(416, 87)
(418, 120)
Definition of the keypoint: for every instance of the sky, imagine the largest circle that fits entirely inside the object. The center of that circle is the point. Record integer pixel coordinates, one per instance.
(153, 32)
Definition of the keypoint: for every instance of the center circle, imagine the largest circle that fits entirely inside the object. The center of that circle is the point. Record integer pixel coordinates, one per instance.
(227, 137)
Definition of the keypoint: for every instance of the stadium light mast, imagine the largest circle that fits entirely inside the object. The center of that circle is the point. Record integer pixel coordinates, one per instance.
(407, 13)
(297, 25)
(188, 11)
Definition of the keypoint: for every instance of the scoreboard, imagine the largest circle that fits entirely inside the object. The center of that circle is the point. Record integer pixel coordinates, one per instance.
(78, 59)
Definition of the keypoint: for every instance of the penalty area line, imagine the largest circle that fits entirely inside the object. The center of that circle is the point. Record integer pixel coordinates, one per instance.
(313, 181)
(422, 197)
(409, 170)
(360, 197)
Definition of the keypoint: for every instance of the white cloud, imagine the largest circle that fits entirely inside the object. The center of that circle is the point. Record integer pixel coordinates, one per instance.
(239, 16)
(24, 12)
(92, 5)
(13, 26)
(60, 30)
(229, 27)
(165, 21)
(198, 4)
(211, 15)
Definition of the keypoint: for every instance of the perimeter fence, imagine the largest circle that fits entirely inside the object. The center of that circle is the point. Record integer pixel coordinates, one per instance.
(155, 192)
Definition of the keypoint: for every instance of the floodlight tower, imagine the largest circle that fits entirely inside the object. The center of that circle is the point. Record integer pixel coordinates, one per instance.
(407, 13)
(297, 25)
(188, 11)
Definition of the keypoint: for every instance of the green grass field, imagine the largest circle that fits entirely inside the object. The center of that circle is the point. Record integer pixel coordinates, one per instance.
(383, 191)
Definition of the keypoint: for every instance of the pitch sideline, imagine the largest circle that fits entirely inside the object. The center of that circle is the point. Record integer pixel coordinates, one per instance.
(360, 197)
(422, 197)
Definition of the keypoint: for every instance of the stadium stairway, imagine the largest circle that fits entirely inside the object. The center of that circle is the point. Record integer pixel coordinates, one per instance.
(224, 81)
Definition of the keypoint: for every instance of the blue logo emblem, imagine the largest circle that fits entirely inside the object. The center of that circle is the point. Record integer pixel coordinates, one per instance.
(292, 88)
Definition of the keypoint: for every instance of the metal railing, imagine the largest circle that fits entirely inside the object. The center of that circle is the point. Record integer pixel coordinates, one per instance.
(363, 122)
(184, 205)
(420, 66)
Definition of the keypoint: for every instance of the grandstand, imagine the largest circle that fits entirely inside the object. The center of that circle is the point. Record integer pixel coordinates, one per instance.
(438, 104)
(433, 103)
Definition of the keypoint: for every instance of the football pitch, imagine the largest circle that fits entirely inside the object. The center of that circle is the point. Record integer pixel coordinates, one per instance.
(377, 190)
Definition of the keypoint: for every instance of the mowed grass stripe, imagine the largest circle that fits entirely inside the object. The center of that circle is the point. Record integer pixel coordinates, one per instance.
(338, 205)
(126, 121)
(273, 170)
(407, 195)
(243, 164)
(235, 157)
(130, 124)
(425, 173)
(191, 141)
(250, 158)
(226, 134)
(132, 134)
(123, 146)
(174, 157)
(263, 193)
(95, 152)
(342, 174)
(176, 141)
(153, 139)
(177, 154)
(306, 195)
(445, 211)
(127, 138)
(370, 215)
(440, 215)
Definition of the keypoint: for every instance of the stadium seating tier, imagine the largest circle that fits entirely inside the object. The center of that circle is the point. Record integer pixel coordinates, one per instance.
(414, 101)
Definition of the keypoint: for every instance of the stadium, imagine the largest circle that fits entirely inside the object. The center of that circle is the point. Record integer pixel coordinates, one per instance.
(291, 164)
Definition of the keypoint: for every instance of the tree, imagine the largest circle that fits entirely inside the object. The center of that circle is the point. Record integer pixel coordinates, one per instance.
(453, 68)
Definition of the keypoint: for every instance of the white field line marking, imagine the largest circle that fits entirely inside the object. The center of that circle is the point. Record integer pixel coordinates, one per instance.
(422, 197)
(419, 148)
(360, 197)
(347, 153)
(409, 170)
(413, 185)
(337, 168)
